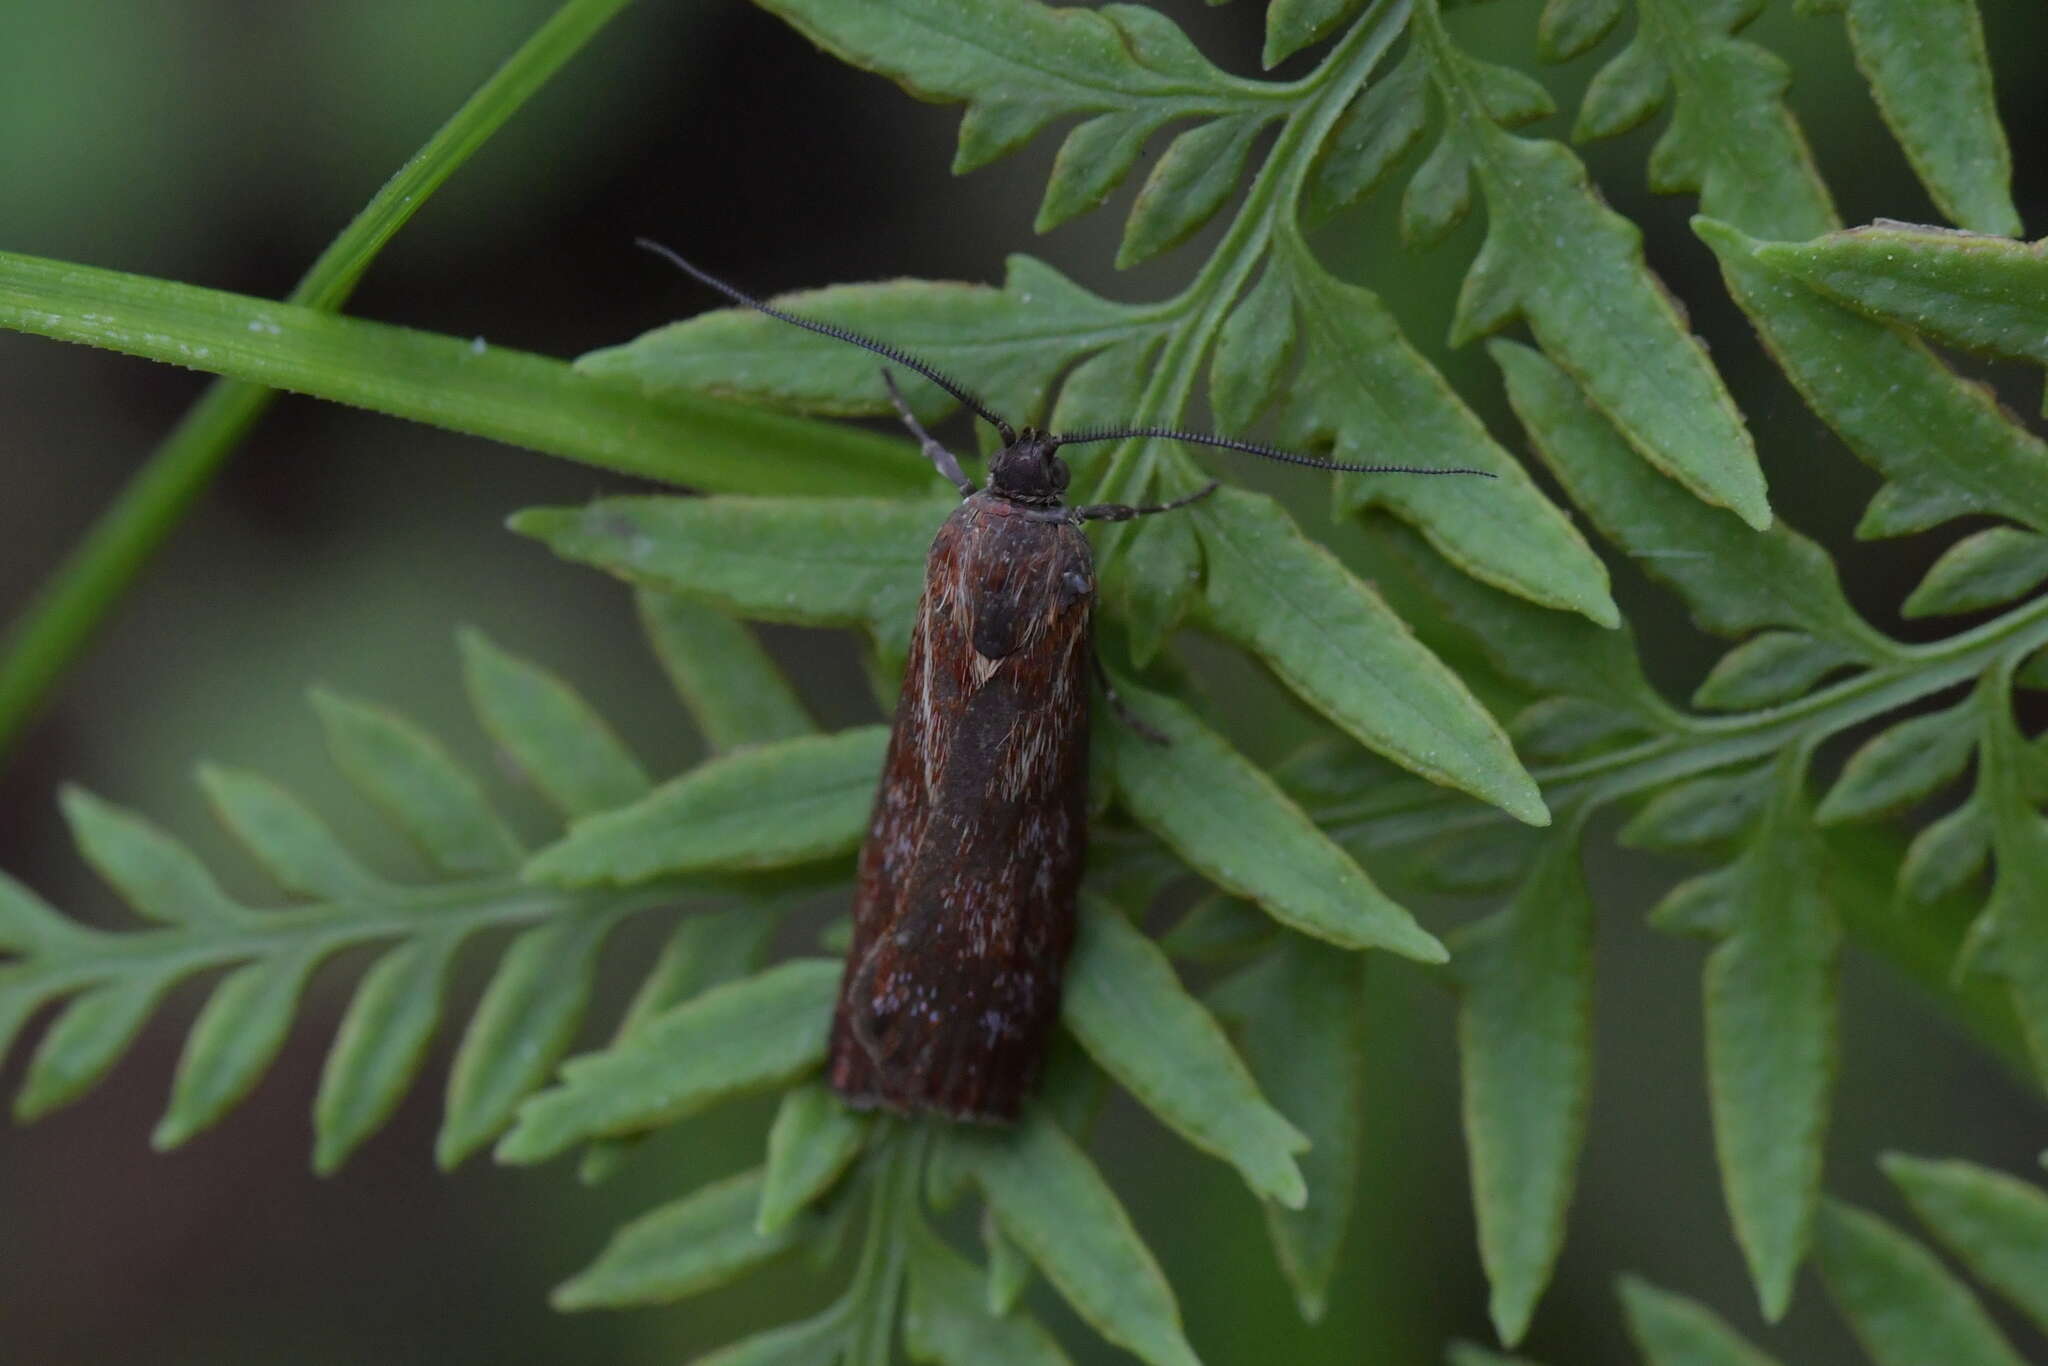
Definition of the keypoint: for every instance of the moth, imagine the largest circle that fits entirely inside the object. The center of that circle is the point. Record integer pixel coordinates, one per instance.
(964, 910)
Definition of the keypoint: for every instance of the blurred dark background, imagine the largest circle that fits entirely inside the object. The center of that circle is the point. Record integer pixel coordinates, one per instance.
(222, 143)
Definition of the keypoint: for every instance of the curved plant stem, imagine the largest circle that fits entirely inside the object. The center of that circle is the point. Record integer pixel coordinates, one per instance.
(877, 1290)
(58, 620)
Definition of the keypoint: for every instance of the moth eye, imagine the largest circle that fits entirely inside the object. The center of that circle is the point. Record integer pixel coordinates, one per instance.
(1059, 474)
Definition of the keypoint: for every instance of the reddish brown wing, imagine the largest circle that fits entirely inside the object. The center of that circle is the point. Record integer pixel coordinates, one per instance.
(965, 907)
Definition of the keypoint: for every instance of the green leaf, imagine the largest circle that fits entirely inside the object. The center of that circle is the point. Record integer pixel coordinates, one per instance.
(2010, 936)
(945, 1320)
(524, 1023)
(1991, 567)
(1788, 580)
(1543, 650)
(1148, 569)
(707, 949)
(1976, 292)
(1332, 640)
(1995, 1223)
(690, 1245)
(772, 806)
(807, 1342)
(1630, 88)
(1470, 1354)
(735, 1038)
(293, 844)
(1439, 194)
(1149, 572)
(1942, 440)
(1292, 25)
(1300, 1011)
(1017, 65)
(1901, 765)
(1771, 1044)
(1252, 351)
(1569, 27)
(1525, 1041)
(1768, 668)
(450, 382)
(1483, 859)
(1009, 1270)
(237, 1036)
(1510, 98)
(553, 734)
(1218, 927)
(407, 773)
(1126, 1005)
(1700, 812)
(154, 873)
(1234, 826)
(27, 922)
(1561, 727)
(1375, 130)
(1369, 392)
(1905, 1308)
(1197, 172)
(1053, 1201)
(813, 1140)
(807, 561)
(1731, 138)
(1945, 855)
(733, 688)
(1006, 345)
(1558, 257)
(85, 1040)
(1671, 1330)
(380, 1046)
(1926, 64)
(1092, 161)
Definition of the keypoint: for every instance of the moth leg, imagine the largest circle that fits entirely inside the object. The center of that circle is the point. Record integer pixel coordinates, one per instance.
(947, 463)
(1117, 704)
(1123, 512)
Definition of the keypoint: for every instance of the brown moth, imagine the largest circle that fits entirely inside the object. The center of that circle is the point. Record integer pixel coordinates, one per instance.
(964, 910)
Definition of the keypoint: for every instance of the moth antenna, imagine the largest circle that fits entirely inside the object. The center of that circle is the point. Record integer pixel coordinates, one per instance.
(1255, 448)
(907, 361)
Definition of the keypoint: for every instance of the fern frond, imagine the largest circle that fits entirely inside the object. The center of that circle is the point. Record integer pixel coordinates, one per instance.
(111, 980)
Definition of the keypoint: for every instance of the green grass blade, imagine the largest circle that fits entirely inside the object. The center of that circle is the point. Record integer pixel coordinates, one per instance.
(84, 588)
(506, 395)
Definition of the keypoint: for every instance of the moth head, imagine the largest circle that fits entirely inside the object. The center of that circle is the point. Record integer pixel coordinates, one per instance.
(1029, 469)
